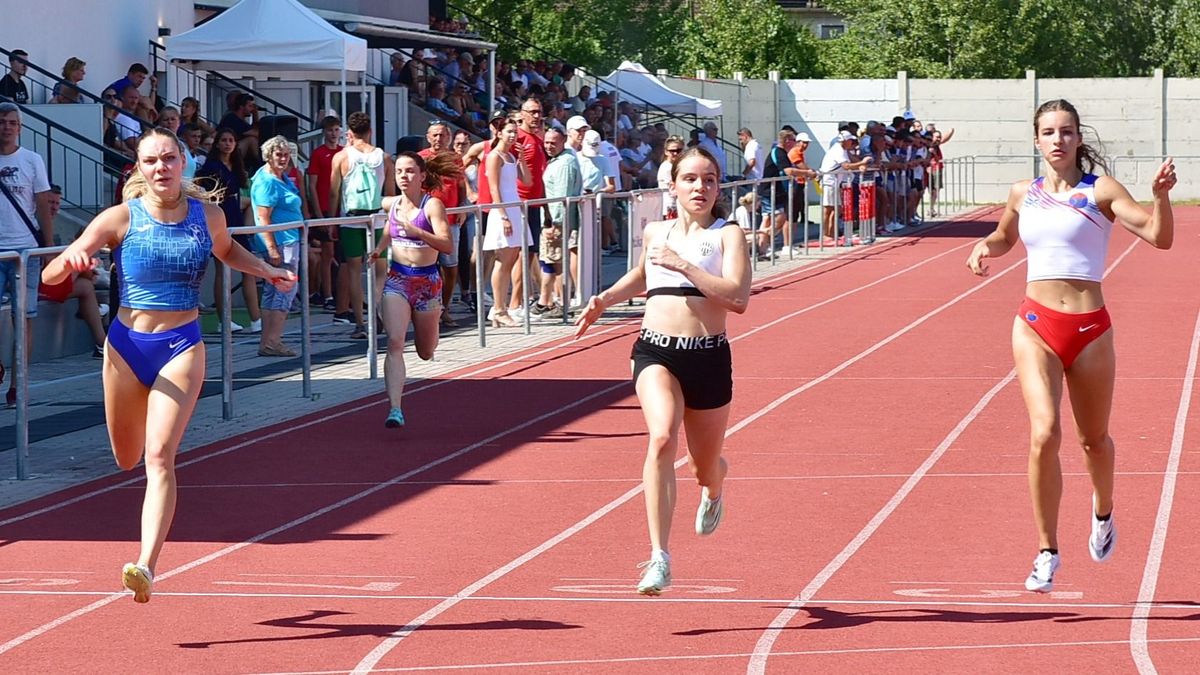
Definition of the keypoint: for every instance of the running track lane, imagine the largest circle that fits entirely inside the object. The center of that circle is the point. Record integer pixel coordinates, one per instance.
(635, 629)
(960, 571)
(757, 531)
(639, 452)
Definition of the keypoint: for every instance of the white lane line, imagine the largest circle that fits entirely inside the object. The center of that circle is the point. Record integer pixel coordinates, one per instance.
(19, 640)
(631, 598)
(758, 662)
(369, 661)
(317, 420)
(762, 649)
(1138, 643)
(22, 639)
(713, 657)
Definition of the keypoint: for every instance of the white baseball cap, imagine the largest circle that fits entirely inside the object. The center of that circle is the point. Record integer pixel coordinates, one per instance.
(845, 136)
(803, 138)
(577, 122)
(591, 143)
(908, 115)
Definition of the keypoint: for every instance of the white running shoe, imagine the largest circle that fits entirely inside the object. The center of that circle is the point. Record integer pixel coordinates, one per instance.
(139, 579)
(235, 327)
(1041, 579)
(1103, 539)
(656, 579)
(708, 516)
(255, 326)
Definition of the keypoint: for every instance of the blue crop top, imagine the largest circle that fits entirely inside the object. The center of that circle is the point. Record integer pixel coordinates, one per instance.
(160, 265)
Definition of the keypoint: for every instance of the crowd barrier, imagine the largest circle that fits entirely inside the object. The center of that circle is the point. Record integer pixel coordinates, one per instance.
(856, 220)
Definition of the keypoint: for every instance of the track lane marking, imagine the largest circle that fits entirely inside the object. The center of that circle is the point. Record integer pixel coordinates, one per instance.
(369, 661)
(36, 632)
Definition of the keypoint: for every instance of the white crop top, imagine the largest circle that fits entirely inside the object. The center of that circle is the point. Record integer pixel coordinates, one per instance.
(703, 250)
(1065, 233)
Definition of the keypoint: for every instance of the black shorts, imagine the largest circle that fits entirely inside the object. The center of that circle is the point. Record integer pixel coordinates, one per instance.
(702, 365)
(535, 227)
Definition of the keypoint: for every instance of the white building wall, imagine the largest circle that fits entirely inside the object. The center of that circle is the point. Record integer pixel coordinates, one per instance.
(1136, 119)
(107, 34)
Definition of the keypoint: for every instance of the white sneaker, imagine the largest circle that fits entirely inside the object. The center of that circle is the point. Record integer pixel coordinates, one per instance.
(235, 327)
(256, 326)
(139, 579)
(1041, 579)
(893, 227)
(708, 516)
(1103, 539)
(656, 579)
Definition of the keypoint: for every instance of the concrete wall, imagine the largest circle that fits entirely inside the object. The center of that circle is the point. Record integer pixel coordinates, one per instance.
(1138, 120)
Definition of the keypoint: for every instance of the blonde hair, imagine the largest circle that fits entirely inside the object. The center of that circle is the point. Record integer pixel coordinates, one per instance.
(272, 144)
(73, 64)
(136, 185)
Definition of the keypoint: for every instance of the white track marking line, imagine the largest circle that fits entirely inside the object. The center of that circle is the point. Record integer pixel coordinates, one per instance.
(631, 598)
(1138, 629)
(15, 642)
(19, 640)
(318, 420)
(762, 649)
(712, 657)
(369, 661)
(758, 662)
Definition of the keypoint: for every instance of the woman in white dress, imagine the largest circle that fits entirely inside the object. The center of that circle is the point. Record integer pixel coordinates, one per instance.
(503, 234)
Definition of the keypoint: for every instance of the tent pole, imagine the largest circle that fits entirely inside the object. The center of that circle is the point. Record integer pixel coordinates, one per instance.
(344, 96)
(491, 83)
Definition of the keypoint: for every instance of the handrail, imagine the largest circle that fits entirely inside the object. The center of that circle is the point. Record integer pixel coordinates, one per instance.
(103, 166)
(156, 57)
(76, 87)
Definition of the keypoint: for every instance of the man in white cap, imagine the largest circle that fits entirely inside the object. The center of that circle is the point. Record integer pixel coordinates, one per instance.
(576, 128)
(833, 167)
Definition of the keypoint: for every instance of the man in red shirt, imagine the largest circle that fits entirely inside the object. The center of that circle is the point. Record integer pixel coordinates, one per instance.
(530, 147)
(320, 166)
(438, 137)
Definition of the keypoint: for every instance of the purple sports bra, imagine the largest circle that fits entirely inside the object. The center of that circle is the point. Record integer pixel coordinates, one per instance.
(421, 222)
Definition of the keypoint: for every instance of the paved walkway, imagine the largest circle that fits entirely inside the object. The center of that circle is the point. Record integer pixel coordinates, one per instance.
(69, 441)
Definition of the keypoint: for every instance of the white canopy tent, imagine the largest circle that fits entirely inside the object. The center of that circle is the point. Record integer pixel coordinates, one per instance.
(634, 83)
(271, 35)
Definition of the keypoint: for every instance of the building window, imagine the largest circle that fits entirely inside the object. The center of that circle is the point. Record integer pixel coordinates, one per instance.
(832, 30)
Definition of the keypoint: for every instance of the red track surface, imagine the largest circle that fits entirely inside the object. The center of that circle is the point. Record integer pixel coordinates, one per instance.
(878, 513)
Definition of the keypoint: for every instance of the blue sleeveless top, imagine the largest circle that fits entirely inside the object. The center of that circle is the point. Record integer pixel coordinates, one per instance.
(160, 265)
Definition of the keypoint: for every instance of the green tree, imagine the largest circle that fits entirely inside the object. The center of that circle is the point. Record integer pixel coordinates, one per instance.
(595, 34)
(998, 38)
(1177, 39)
(751, 36)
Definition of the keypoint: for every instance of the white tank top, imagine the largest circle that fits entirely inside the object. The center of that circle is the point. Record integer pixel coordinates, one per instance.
(703, 250)
(373, 160)
(1065, 233)
(508, 180)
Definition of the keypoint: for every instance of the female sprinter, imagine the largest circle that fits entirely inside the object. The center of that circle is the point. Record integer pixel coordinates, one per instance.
(161, 237)
(417, 231)
(1062, 327)
(694, 272)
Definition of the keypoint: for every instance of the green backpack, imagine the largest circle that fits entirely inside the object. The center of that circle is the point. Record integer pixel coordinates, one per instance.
(361, 190)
